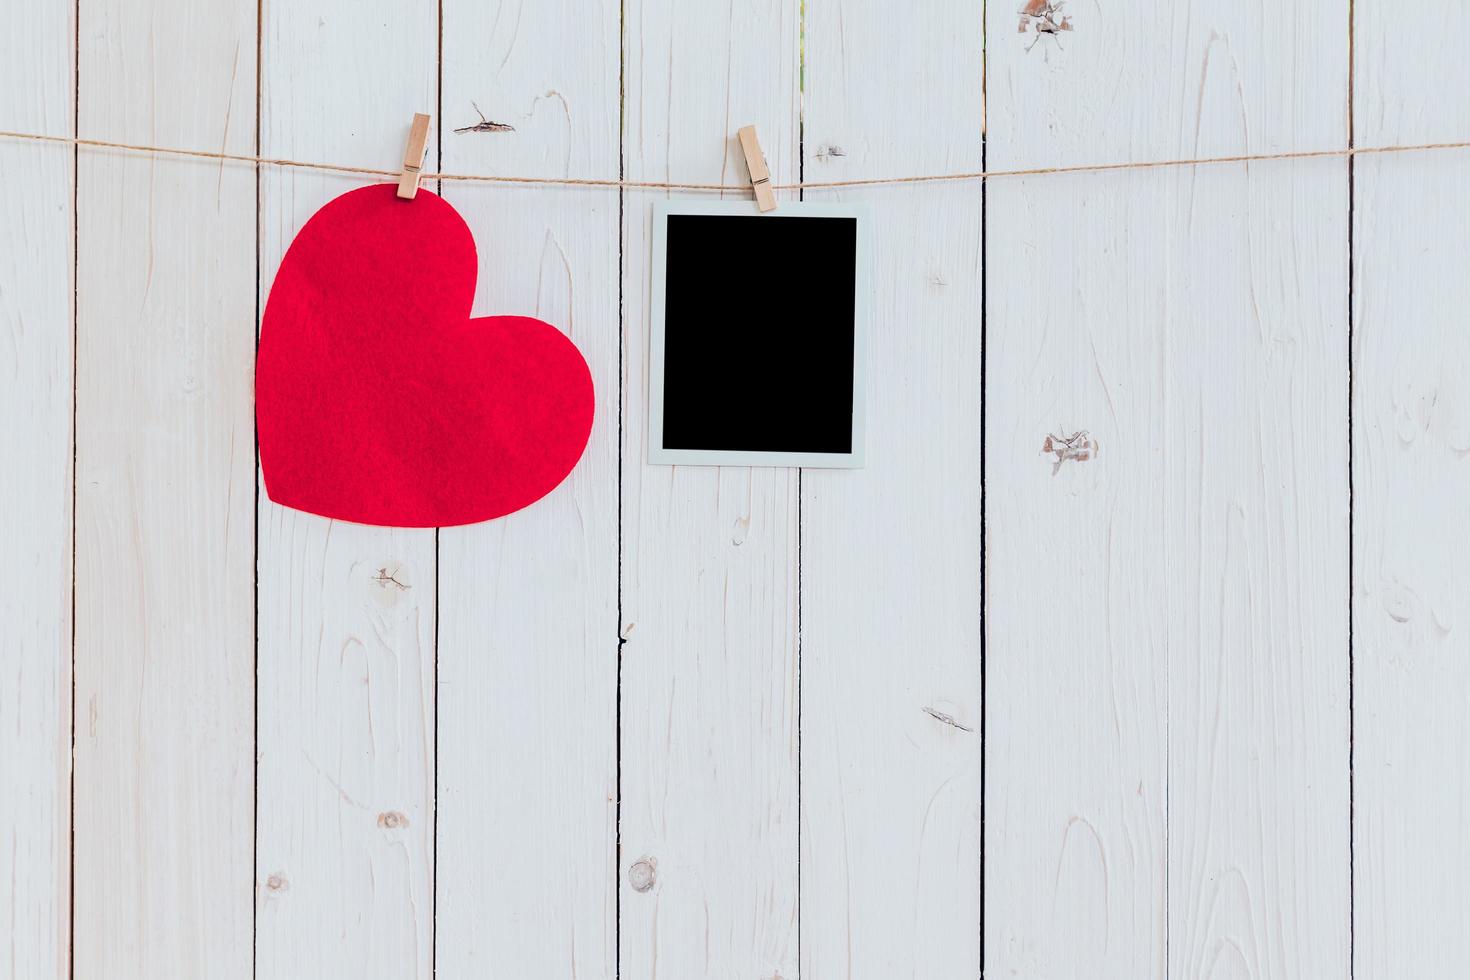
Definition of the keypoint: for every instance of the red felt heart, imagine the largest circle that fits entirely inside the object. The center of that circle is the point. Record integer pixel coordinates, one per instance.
(380, 401)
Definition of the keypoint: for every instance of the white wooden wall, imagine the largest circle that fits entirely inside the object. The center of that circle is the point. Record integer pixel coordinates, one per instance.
(1197, 706)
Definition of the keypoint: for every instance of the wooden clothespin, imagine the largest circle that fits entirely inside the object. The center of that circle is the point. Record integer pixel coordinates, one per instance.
(413, 157)
(760, 175)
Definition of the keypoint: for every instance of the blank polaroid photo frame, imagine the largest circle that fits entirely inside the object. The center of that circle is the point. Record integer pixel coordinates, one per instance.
(758, 334)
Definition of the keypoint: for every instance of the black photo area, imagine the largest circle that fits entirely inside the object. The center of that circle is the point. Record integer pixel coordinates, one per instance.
(759, 333)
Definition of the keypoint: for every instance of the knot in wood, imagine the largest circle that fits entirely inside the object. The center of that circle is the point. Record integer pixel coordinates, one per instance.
(643, 874)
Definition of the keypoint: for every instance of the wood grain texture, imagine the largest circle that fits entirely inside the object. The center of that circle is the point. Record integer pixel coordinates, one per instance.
(528, 603)
(165, 494)
(344, 854)
(780, 672)
(345, 764)
(708, 865)
(36, 94)
(891, 554)
(1411, 437)
(1167, 648)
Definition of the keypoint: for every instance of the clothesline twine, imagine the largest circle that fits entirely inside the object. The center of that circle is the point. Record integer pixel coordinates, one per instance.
(1351, 151)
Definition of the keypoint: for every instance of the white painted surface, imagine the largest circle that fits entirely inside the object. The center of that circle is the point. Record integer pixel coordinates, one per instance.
(707, 871)
(891, 554)
(345, 662)
(1167, 645)
(165, 495)
(528, 604)
(1411, 544)
(36, 510)
(690, 721)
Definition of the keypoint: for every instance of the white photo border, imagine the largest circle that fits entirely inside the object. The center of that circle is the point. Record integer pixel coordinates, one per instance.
(657, 453)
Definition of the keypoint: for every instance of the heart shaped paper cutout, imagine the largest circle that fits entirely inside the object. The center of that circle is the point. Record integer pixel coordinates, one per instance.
(380, 401)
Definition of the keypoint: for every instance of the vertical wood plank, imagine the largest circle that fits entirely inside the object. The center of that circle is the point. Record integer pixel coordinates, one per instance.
(528, 612)
(345, 763)
(891, 554)
(165, 493)
(36, 95)
(1167, 645)
(1411, 436)
(1077, 667)
(708, 865)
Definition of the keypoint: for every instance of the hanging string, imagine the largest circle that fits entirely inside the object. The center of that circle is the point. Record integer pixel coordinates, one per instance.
(803, 185)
